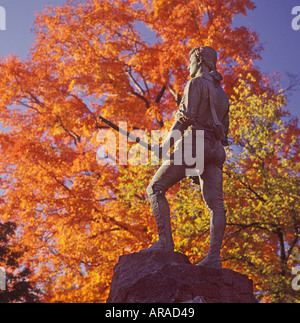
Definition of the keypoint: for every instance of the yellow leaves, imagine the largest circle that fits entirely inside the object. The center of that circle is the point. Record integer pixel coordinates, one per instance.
(261, 172)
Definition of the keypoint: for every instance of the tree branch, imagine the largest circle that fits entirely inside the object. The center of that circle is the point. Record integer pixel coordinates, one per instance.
(142, 98)
(252, 190)
(145, 83)
(75, 137)
(134, 80)
(296, 239)
(161, 93)
(176, 96)
(294, 83)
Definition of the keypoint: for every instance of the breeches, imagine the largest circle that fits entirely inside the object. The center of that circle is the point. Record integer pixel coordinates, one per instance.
(211, 182)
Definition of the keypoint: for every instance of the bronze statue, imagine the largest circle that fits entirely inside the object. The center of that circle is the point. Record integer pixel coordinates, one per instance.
(204, 106)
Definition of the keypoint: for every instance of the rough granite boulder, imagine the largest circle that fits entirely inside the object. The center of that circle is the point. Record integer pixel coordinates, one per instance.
(171, 278)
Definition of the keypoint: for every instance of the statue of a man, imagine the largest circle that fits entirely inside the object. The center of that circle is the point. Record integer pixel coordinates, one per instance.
(196, 113)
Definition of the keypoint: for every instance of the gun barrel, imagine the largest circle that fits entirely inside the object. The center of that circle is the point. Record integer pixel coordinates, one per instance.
(125, 133)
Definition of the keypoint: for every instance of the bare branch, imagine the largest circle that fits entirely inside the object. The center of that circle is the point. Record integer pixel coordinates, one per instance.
(142, 98)
(293, 82)
(145, 83)
(161, 93)
(176, 96)
(135, 81)
(294, 242)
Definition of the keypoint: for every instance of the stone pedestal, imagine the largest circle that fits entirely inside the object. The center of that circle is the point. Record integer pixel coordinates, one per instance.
(171, 278)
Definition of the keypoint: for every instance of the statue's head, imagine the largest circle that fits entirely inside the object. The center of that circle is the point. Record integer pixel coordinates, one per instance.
(204, 59)
(206, 55)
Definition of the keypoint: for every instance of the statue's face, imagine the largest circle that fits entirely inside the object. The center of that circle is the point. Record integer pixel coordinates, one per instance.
(194, 66)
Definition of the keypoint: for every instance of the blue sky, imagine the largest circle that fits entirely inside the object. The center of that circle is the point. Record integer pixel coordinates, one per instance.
(272, 20)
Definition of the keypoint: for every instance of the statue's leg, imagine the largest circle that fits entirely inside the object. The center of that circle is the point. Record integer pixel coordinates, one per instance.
(212, 189)
(166, 177)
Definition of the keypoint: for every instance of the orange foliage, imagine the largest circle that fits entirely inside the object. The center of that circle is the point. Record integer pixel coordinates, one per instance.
(126, 60)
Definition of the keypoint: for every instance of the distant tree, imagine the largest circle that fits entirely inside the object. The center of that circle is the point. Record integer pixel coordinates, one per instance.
(18, 288)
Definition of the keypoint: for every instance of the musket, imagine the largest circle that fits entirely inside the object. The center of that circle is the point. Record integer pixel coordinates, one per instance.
(125, 133)
(138, 140)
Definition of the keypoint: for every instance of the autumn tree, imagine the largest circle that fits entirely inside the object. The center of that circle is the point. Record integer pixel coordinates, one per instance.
(127, 60)
(263, 176)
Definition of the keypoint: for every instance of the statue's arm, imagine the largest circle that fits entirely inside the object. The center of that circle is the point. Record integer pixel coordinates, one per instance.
(187, 111)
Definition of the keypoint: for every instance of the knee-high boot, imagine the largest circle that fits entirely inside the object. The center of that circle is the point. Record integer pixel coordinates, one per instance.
(217, 230)
(161, 213)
